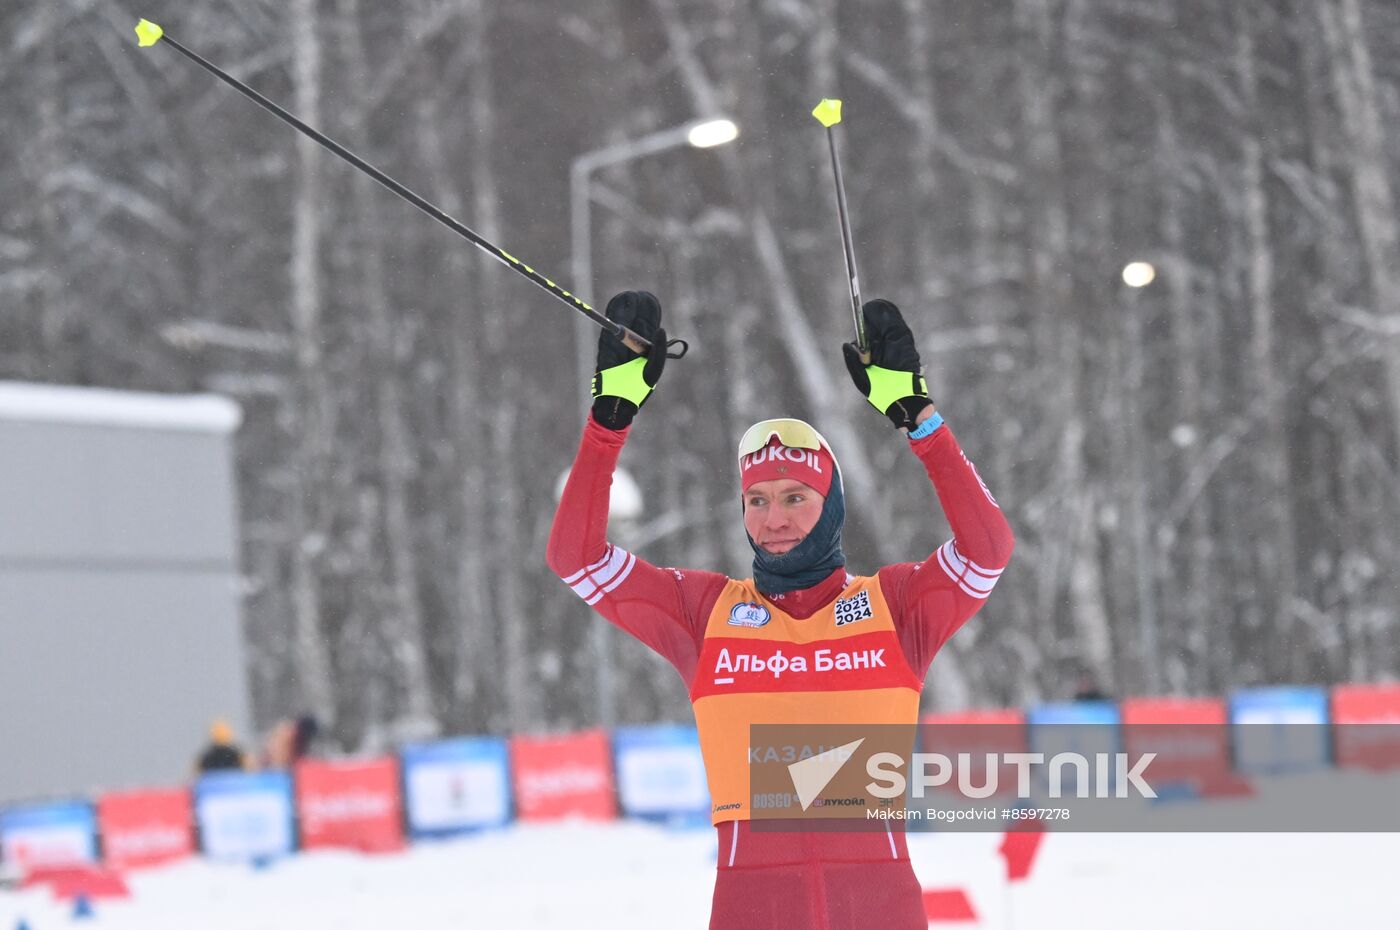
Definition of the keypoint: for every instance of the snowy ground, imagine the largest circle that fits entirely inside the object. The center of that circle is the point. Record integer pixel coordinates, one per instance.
(628, 875)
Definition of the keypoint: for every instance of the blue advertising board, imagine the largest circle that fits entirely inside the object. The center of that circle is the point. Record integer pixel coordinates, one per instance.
(245, 816)
(661, 774)
(1086, 728)
(1279, 730)
(49, 835)
(456, 786)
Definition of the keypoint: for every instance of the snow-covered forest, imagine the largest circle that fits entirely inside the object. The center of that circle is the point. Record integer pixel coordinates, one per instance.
(1213, 456)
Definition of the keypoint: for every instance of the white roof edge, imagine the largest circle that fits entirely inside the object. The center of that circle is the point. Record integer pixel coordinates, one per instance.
(61, 403)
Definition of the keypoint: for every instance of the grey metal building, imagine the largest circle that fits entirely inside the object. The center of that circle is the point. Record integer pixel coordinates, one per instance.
(120, 626)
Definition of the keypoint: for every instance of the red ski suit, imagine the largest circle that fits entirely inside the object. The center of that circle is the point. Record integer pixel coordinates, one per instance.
(806, 880)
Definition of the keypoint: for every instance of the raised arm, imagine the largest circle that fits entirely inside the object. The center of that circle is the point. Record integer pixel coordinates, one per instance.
(933, 598)
(664, 608)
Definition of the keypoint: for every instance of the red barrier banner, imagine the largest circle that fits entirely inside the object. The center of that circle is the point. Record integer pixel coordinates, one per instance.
(1366, 744)
(1189, 736)
(563, 776)
(1366, 704)
(977, 733)
(1204, 711)
(350, 805)
(1010, 719)
(86, 881)
(141, 828)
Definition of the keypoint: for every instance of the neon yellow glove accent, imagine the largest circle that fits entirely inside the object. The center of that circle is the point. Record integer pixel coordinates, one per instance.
(828, 112)
(148, 33)
(888, 385)
(623, 381)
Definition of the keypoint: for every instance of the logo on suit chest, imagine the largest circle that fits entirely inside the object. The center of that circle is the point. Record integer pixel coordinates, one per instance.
(749, 614)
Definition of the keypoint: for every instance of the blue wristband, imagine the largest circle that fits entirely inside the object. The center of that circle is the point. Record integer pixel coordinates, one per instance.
(928, 427)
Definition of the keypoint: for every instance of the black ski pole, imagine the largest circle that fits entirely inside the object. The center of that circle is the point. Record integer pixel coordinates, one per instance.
(148, 33)
(828, 113)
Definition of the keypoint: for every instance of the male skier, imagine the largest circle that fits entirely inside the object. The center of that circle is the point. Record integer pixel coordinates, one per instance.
(800, 599)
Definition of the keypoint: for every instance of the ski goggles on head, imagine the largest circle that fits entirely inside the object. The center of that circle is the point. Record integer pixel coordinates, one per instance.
(799, 453)
(795, 434)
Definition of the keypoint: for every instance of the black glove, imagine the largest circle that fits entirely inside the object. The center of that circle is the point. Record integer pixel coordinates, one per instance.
(892, 382)
(623, 379)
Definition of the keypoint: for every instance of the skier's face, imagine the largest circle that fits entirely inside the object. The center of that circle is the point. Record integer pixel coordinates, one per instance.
(780, 513)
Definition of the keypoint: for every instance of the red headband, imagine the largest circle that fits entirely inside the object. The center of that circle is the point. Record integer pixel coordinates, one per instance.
(813, 467)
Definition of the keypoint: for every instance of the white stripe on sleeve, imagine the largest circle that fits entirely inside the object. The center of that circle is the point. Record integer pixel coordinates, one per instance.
(607, 554)
(602, 576)
(973, 579)
(617, 579)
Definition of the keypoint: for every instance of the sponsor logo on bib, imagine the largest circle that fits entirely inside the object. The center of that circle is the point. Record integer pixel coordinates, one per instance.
(749, 615)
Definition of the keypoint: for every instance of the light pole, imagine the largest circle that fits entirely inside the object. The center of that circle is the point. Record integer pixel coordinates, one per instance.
(1138, 275)
(702, 134)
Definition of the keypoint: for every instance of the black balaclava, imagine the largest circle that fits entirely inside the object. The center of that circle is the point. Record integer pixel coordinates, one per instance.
(810, 561)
